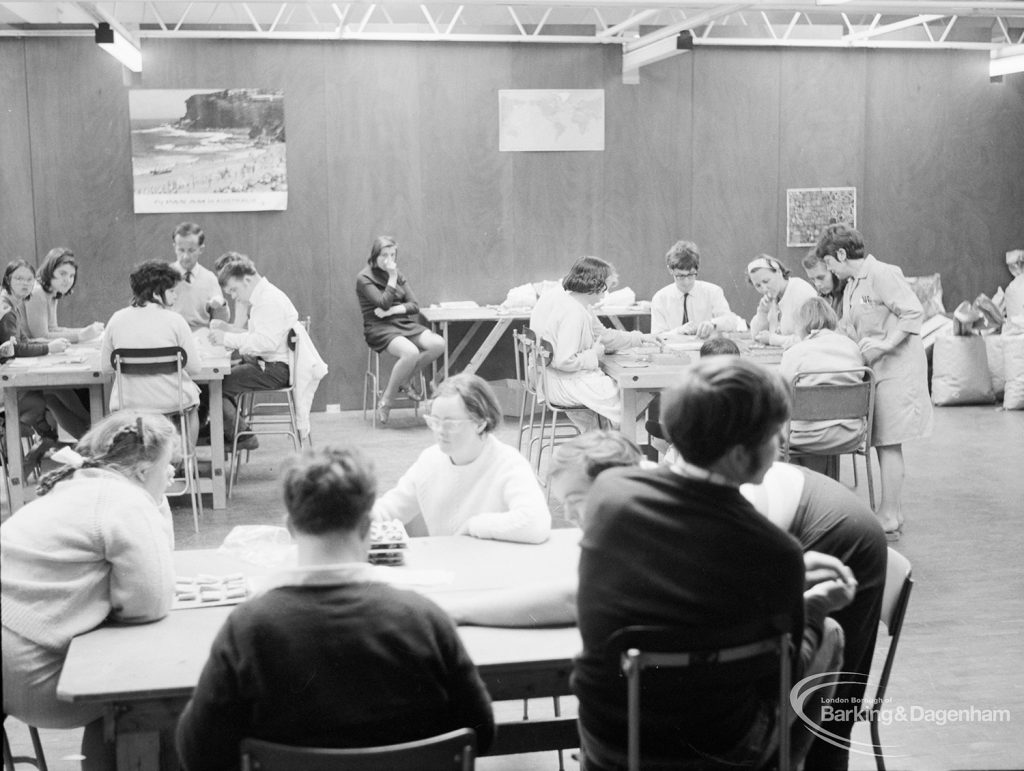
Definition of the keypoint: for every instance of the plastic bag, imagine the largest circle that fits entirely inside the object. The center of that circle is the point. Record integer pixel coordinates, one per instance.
(523, 296)
(264, 545)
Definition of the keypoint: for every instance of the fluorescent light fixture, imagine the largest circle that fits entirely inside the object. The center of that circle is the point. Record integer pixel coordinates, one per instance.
(118, 46)
(1006, 62)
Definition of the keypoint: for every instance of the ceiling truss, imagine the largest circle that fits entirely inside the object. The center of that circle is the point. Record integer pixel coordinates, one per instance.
(646, 30)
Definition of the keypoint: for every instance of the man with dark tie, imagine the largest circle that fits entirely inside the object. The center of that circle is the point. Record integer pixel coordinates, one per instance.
(199, 295)
(688, 306)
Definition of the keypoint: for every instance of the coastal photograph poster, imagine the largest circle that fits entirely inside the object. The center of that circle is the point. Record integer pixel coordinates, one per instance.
(809, 210)
(208, 150)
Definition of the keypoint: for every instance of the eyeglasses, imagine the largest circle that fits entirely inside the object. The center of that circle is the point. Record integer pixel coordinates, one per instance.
(683, 274)
(448, 424)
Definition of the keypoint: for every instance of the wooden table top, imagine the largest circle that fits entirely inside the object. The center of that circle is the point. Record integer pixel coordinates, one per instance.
(164, 659)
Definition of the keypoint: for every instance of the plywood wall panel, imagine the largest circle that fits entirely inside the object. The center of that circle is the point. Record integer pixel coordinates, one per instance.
(818, 145)
(81, 168)
(647, 169)
(735, 164)
(906, 210)
(17, 215)
(556, 197)
(466, 181)
(985, 172)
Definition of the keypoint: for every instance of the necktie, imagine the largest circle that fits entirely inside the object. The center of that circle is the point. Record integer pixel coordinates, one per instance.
(686, 311)
(188, 276)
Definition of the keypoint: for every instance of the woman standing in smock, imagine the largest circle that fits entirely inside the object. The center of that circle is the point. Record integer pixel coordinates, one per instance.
(882, 313)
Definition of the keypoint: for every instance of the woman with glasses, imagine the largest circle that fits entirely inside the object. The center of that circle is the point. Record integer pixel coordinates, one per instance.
(57, 277)
(777, 318)
(95, 545)
(18, 281)
(688, 306)
(469, 483)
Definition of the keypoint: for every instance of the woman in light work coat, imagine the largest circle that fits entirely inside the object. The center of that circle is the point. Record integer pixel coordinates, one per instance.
(882, 313)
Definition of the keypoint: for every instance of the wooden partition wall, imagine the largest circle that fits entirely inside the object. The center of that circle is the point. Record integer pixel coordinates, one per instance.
(402, 138)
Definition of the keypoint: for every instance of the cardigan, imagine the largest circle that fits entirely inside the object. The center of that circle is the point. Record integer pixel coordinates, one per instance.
(96, 546)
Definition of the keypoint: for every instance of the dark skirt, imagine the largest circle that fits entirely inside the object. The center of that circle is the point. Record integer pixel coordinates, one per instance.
(380, 334)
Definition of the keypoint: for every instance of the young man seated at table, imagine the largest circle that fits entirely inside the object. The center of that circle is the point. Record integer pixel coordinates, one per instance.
(711, 565)
(199, 298)
(331, 657)
(262, 346)
(688, 306)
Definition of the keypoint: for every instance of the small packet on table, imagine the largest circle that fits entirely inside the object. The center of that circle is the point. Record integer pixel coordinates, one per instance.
(205, 591)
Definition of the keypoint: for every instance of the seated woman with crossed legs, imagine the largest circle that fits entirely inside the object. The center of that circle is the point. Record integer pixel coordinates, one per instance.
(391, 323)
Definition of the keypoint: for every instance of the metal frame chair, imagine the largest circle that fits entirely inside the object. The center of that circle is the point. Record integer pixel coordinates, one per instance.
(452, 751)
(372, 390)
(165, 361)
(838, 402)
(899, 582)
(540, 354)
(266, 416)
(11, 760)
(665, 648)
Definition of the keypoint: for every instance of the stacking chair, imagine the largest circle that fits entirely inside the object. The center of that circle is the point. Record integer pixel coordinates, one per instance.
(895, 598)
(664, 649)
(373, 390)
(556, 426)
(267, 412)
(165, 361)
(838, 402)
(452, 751)
(38, 760)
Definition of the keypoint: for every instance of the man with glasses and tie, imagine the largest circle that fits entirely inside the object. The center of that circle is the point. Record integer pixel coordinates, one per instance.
(688, 306)
(199, 295)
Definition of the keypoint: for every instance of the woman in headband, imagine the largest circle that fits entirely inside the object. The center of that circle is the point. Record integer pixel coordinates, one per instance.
(95, 545)
(776, 321)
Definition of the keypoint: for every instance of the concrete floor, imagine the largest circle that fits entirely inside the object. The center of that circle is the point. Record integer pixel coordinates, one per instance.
(963, 641)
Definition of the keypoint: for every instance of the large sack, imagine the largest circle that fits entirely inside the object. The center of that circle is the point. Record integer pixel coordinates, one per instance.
(960, 372)
(1013, 359)
(996, 363)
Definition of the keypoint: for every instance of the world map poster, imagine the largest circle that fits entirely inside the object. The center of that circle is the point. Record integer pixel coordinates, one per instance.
(550, 120)
(208, 150)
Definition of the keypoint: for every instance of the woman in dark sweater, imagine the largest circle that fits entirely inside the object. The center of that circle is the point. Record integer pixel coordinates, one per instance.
(391, 323)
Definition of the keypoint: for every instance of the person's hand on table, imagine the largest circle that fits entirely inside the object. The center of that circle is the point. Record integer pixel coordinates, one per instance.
(58, 346)
(216, 336)
(764, 338)
(648, 339)
(7, 348)
(873, 349)
(220, 326)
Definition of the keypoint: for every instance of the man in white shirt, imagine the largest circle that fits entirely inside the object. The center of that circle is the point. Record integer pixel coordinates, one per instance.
(262, 346)
(199, 298)
(688, 306)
